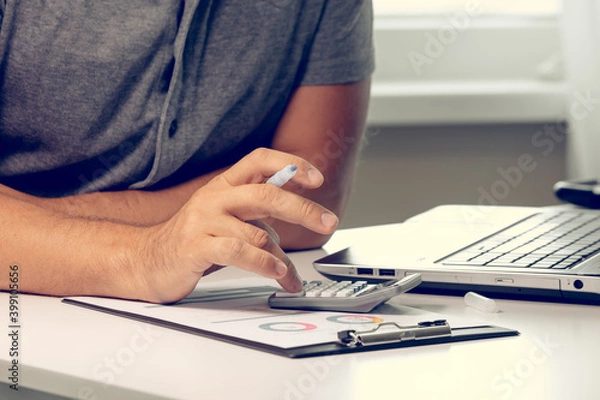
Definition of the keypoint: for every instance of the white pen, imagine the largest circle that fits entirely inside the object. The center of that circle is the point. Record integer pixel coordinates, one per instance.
(282, 176)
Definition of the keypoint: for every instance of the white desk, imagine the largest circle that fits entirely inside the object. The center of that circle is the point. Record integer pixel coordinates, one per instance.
(67, 350)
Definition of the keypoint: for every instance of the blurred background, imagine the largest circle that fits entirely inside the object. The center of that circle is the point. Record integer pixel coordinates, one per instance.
(478, 102)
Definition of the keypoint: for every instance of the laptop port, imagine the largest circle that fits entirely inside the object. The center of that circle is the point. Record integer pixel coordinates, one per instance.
(364, 271)
(387, 272)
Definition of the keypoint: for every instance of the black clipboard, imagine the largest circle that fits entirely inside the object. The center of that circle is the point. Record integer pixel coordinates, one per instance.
(384, 336)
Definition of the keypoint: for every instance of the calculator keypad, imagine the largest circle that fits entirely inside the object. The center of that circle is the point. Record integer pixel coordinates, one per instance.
(347, 296)
(332, 289)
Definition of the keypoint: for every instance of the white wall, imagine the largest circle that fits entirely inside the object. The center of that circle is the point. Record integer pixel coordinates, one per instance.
(406, 170)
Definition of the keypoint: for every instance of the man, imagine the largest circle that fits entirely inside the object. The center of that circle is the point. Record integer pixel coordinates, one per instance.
(134, 136)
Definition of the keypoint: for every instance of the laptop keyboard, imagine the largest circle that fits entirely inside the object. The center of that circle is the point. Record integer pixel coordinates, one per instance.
(546, 240)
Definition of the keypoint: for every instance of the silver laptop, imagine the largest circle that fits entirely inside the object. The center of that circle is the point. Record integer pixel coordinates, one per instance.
(516, 252)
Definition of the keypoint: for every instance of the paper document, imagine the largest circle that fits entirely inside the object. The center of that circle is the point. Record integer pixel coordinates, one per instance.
(237, 311)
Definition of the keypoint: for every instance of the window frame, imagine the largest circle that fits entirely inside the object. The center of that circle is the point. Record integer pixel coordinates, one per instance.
(483, 69)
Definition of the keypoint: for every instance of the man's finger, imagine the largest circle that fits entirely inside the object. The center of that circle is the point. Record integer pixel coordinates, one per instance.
(265, 201)
(262, 163)
(238, 253)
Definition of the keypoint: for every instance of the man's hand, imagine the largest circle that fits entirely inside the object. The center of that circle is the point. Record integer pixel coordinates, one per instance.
(213, 227)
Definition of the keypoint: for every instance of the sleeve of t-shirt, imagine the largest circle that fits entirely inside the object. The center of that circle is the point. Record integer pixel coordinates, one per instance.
(342, 49)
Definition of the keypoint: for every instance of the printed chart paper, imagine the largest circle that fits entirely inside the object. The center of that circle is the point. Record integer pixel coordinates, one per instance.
(239, 309)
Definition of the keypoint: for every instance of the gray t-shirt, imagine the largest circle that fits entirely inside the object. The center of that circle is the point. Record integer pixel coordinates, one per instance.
(114, 94)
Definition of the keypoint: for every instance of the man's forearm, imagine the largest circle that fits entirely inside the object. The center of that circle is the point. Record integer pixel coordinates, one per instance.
(135, 207)
(61, 255)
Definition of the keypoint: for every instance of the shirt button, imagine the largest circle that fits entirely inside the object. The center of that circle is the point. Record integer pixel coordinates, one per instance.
(173, 128)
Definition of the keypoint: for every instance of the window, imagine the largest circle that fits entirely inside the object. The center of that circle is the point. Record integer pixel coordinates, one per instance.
(463, 61)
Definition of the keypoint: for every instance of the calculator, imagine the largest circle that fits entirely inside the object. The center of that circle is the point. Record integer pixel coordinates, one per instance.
(344, 296)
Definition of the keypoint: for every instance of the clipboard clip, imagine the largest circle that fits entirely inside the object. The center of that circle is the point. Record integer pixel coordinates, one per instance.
(391, 332)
